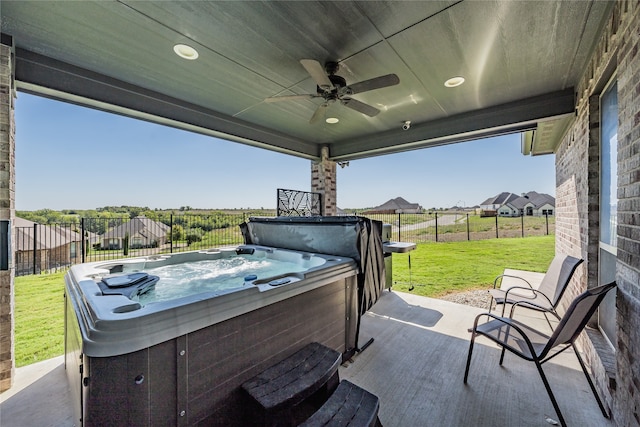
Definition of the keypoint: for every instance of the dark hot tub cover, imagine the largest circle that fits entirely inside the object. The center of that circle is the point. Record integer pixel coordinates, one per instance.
(348, 236)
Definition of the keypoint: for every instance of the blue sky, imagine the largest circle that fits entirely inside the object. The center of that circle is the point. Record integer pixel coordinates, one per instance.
(70, 157)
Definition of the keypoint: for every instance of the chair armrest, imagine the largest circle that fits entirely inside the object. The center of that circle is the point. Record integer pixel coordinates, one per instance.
(529, 304)
(535, 292)
(495, 281)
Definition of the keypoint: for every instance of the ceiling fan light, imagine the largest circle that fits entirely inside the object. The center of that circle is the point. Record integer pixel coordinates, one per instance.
(454, 81)
(332, 120)
(185, 51)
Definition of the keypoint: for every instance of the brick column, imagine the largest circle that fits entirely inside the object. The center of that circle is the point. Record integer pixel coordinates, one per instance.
(323, 181)
(7, 211)
(627, 394)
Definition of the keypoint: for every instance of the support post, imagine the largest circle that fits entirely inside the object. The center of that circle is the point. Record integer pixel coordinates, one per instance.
(7, 211)
(323, 181)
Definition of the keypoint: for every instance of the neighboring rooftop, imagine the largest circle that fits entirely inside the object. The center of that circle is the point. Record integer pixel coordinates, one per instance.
(537, 199)
(397, 205)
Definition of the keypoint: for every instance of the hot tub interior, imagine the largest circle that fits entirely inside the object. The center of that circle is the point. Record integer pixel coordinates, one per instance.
(211, 272)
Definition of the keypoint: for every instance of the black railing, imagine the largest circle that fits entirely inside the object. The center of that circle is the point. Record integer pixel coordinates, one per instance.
(55, 246)
(51, 247)
(458, 226)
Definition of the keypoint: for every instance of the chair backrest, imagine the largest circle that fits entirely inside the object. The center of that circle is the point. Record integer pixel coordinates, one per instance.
(577, 316)
(557, 277)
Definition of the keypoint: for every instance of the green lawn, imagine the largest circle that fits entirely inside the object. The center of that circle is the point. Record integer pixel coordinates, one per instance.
(39, 317)
(441, 268)
(436, 269)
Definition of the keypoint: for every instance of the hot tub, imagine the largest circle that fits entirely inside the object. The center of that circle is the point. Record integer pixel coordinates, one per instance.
(137, 358)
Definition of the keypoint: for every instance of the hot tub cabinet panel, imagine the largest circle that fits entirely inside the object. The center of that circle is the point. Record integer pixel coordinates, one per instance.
(194, 377)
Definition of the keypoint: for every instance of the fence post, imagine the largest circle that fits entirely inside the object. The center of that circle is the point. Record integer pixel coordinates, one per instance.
(546, 218)
(399, 225)
(171, 233)
(496, 226)
(436, 226)
(82, 245)
(468, 234)
(522, 224)
(35, 245)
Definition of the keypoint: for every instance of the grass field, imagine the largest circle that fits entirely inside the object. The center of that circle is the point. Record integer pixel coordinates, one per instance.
(441, 268)
(436, 269)
(39, 317)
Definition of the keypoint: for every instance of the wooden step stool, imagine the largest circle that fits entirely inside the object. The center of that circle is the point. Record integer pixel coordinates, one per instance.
(311, 372)
(349, 405)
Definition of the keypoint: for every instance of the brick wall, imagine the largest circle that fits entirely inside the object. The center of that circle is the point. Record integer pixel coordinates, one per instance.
(323, 181)
(627, 402)
(7, 187)
(577, 206)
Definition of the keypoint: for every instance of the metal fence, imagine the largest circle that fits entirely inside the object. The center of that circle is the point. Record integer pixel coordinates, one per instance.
(52, 247)
(43, 248)
(458, 226)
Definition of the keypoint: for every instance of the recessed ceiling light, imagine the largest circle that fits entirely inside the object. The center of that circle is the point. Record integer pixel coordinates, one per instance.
(454, 81)
(332, 120)
(185, 51)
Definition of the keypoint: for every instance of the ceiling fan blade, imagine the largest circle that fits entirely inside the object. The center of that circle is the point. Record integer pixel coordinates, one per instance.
(289, 97)
(317, 73)
(361, 107)
(319, 113)
(372, 84)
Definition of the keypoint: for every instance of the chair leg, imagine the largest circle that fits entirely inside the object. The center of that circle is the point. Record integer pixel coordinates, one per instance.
(466, 371)
(550, 393)
(502, 356)
(591, 385)
(490, 303)
(504, 307)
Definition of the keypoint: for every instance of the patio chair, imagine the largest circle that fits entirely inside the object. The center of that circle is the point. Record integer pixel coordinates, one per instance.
(546, 296)
(534, 346)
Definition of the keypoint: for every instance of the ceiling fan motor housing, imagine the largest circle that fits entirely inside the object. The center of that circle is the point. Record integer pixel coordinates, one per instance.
(337, 82)
(331, 67)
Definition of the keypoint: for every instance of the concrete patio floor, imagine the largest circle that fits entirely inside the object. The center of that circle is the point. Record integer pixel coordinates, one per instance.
(415, 366)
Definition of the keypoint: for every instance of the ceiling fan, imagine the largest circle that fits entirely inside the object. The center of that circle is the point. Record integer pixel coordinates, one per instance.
(332, 88)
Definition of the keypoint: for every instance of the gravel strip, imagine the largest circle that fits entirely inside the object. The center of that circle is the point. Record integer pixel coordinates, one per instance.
(478, 298)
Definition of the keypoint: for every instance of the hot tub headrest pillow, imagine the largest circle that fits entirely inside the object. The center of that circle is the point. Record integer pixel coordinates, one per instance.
(129, 285)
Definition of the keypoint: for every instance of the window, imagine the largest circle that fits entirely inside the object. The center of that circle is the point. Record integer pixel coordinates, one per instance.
(608, 205)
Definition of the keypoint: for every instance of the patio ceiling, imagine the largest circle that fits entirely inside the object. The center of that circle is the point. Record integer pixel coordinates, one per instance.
(521, 61)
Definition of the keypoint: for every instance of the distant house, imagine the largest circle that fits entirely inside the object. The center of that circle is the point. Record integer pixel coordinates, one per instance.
(142, 233)
(397, 205)
(510, 204)
(42, 247)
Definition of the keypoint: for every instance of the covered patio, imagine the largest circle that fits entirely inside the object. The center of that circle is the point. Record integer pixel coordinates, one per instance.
(564, 74)
(415, 365)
